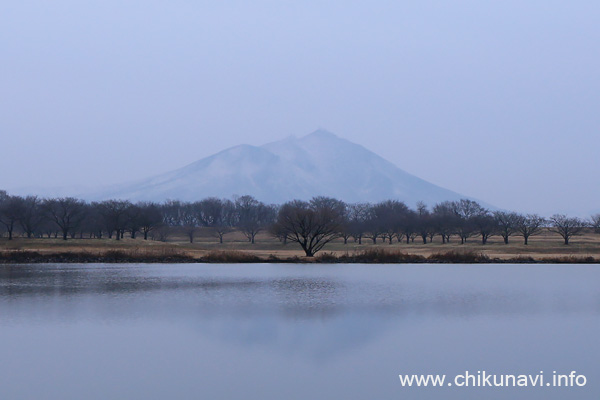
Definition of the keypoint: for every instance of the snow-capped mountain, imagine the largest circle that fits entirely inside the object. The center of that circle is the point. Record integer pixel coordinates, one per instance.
(294, 168)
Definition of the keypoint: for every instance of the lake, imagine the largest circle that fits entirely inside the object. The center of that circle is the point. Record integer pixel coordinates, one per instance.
(269, 331)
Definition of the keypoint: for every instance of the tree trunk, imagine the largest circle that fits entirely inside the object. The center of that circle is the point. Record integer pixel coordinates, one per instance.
(506, 239)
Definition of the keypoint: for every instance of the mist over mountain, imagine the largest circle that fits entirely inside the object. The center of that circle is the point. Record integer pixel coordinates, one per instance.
(320, 163)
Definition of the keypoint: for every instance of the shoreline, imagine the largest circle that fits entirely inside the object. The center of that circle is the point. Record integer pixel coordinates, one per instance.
(241, 257)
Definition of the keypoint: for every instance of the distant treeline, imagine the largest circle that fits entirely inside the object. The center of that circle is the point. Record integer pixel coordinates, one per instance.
(311, 224)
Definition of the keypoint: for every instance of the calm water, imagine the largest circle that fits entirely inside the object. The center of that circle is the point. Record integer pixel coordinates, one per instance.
(292, 331)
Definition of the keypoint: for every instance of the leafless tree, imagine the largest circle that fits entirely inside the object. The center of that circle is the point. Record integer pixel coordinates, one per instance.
(409, 225)
(466, 210)
(31, 216)
(358, 214)
(66, 212)
(188, 215)
(425, 222)
(386, 218)
(150, 217)
(446, 220)
(310, 224)
(217, 215)
(11, 208)
(132, 220)
(507, 223)
(529, 225)
(114, 214)
(161, 232)
(253, 216)
(226, 221)
(595, 222)
(486, 226)
(567, 227)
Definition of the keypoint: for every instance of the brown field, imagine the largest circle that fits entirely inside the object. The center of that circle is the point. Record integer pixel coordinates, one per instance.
(548, 245)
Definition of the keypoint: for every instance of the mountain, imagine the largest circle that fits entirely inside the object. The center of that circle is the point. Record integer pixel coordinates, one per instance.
(320, 163)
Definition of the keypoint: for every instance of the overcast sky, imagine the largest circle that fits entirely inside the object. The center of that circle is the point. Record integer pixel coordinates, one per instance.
(499, 100)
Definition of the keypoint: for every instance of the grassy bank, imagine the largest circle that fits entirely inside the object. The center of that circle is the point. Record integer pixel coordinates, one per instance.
(546, 248)
(369, 256)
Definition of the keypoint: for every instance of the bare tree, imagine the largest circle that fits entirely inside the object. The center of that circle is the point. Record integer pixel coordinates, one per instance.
(132, 219)
(11, 208)
(31, 216)
(217, 215)
(446, 220)
(567, 227)
(189, 219)
(466, 210)
(253, 216)
(386, 218)
(408, 225)
(358, 214)
(425, 222)
(114, 215)
(507, 223)
(486, 226)
(595, 222)
(150, 217)
(93, 223)
(66, 212)
(226, 220)
(161, 232)
(529, 225)
(310, 224)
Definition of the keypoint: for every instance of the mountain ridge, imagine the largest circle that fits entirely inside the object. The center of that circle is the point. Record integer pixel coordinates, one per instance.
(319, 163)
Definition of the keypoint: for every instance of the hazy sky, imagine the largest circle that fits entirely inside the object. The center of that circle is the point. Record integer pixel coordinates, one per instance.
(499, 100)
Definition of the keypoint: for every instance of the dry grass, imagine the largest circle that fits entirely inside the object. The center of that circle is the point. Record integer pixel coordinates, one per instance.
(135, 255)
(230, 256)
(547, 247)
(462, 257)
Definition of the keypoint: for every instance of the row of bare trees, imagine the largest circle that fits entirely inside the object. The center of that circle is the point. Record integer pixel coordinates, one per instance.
(315, 223)
(311, 224)
(464, 219)
(69, 217)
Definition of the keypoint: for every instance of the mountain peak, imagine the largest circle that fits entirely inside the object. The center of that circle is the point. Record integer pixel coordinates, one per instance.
(318, 164)
(322, 133)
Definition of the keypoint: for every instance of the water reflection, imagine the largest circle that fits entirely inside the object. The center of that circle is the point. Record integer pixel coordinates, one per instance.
(291, 331)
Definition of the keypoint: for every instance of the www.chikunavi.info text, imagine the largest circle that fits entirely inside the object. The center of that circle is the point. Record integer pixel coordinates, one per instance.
(485, 379)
